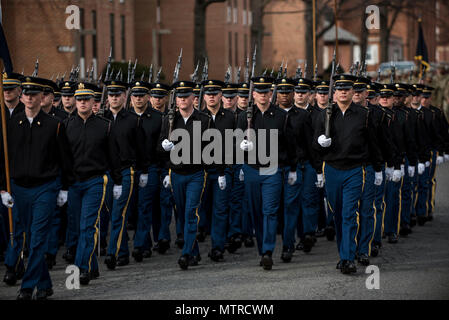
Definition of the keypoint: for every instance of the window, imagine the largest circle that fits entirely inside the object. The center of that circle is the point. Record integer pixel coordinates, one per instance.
(94, 36)
(236, 49)
(230, 48)
(229, 12)
(112, 33)
(123, 38)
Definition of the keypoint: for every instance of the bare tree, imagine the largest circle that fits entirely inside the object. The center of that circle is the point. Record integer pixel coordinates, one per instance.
(200, 28)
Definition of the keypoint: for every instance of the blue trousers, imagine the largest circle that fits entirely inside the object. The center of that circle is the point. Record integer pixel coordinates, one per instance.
(106, 210)
(414, 187)
(55, 223)
(263, 197)
(309, 200)
(432, 183)
(166, 208)
(237, 190)
(146, 204)
(118, 242)
(32, 211)
(188, 192)
(218, 202)
(86, 200)
(379, 204)
(422, 196)
(368, 213)
(292, 202)
(344, 191)
(407, 199)
(393, 203)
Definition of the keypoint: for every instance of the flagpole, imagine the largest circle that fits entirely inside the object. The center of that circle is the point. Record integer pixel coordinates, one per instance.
(314, 32)
(5, 151)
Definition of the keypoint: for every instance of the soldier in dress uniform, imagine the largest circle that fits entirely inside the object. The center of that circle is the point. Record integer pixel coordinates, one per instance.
(187, 178)
(351, 144)
(68, 96)
(127, 131)
(263, 181)
(38, 154)
(94, 151)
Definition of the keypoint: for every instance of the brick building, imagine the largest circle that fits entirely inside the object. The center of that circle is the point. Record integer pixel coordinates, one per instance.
(37, 28)
(153, 31)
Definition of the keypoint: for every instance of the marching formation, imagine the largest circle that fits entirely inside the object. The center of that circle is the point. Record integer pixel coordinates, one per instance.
(355, 160)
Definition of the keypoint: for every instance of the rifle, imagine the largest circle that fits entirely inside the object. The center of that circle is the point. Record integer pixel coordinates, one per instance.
(247, 70)
(393, 73)
(204, 78)
(106, 78)
(298, 73)
(378, 75)
(143, 76)
(331, 99)
(315, 76)
(194, 76)
(249, 112)
(36, 68)
(158, 75)
(150, 76)
(275, 90)
(131, 78)
(305, 69)
(228, 75)
(237, 80)
(172, 105)
(285, 70)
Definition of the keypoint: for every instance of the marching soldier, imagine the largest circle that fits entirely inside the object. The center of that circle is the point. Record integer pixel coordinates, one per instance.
(351, 144)
(94, 151)
(38, 154)
(263, 181)
(149, 181)
(216, 195)
(187, 178)
(97, 99)
(373, 180)
(312, 174)
(243, 96)
(127, 132)
(53, 236)
(159, 99)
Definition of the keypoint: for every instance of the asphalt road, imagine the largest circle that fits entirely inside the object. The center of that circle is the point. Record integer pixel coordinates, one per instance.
(415, 268)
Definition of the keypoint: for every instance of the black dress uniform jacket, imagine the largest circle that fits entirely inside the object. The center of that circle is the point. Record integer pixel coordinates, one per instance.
(441, 127)
(432, 124)
(224, 120)
(410, 134)
(151, 123)
(58, 113)
(93, 148)
(38, 153)
(272, 119)
(129, 138)
(300, 125)
(354, 141)
(205, 123)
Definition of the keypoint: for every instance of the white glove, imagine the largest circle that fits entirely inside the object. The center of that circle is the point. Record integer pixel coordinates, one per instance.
(446, 157)
(440, 160)
(292, 177)
(241, 175)
(397, 175)
(389, 173)
(117, 192)
(246, 145)
(143, 180)
(222, 182)
(7, 200)
(427, 164)
(378, 178)
(319, 180)
(411, 171)
(421, 168)
(324, 142)
(168, 145)
(402, 170)
(166, 183)
(62, 198)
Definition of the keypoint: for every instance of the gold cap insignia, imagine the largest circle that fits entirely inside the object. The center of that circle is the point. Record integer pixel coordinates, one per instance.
(66, 84)
(342, 78)
(385, 86)
(182, 84)
(113, 83)
(158, 85)
(245, 86)
(397, 85)
(137, 83)
(81, 86)
(301, 81)
(4, 75)
(210, 82)
(28, 79)
(284, 81)
(262, 80)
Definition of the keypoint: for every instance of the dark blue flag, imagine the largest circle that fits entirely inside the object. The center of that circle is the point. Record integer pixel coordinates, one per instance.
(421, 49)
(4, 52)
